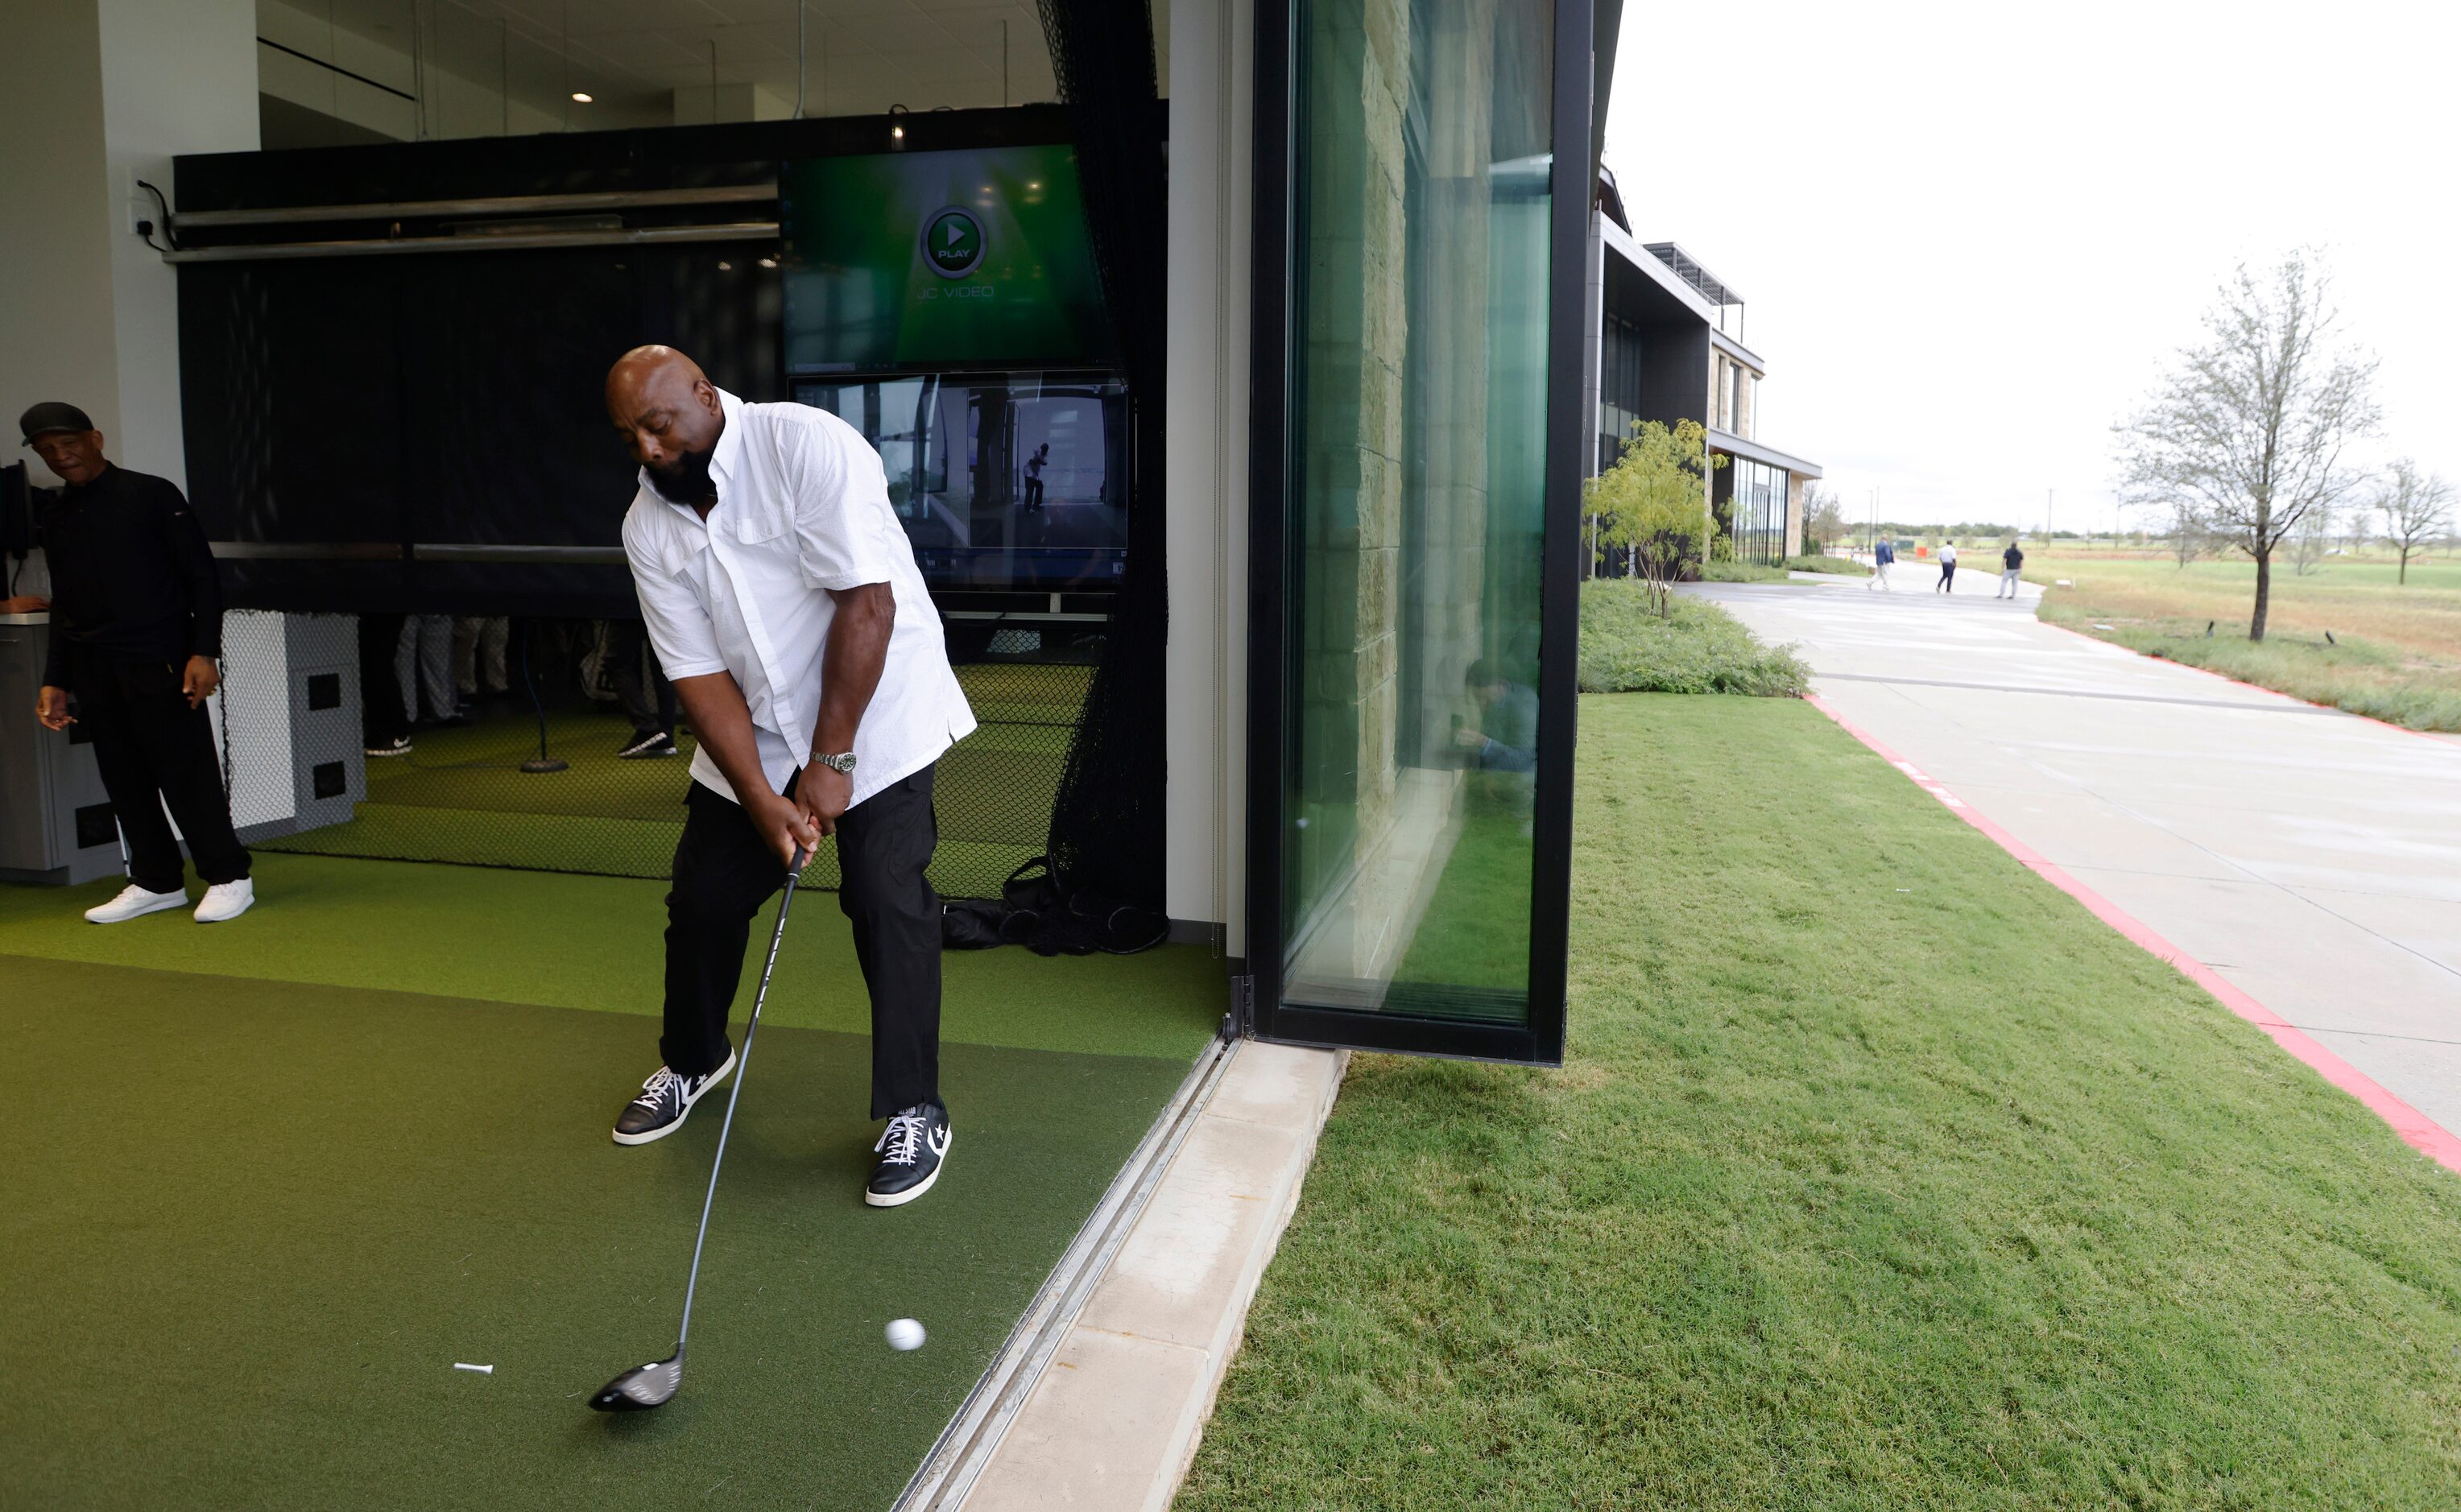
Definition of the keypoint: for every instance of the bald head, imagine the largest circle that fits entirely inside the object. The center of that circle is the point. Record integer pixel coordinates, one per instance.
(670, 417)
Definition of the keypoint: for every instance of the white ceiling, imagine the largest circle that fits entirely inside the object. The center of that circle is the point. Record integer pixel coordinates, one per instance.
(861, 57)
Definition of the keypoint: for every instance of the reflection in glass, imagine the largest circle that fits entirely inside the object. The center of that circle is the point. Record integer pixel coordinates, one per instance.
(1003, 480)
(1418, 447)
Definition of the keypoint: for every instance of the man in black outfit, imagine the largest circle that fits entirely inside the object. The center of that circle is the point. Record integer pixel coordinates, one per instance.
(137, 628)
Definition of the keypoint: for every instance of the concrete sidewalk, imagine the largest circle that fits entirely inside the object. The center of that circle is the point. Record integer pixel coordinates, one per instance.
(2312, 859)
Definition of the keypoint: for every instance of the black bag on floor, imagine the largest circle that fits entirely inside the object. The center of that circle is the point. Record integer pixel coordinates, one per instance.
(1037, 910)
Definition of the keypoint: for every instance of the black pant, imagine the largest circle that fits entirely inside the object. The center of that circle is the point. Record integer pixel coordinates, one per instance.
(154, 750)
(725, 872)
(1947, 577)
(381, 719)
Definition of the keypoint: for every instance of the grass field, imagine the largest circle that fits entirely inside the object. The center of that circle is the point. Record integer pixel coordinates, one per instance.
(2395, 652)
(1804, 1222)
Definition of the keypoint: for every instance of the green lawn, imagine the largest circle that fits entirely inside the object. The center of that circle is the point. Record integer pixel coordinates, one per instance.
(1812, 1219)
(2394, 651)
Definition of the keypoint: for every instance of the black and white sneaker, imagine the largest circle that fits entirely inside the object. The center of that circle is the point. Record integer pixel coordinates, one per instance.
(664, 1101)
(910, 1151)
(399, 745)
(647, 744)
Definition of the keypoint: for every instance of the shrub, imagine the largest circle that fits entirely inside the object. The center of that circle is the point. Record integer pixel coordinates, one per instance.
(1842, 566)
(1696, 648)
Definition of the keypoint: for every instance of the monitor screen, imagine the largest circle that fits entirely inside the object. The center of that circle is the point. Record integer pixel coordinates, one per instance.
(1003, 480)
(939, 259)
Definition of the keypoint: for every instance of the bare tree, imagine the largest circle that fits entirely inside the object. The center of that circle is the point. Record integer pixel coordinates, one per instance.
(2415, 509)
(1823, 514)
(2181, 527)
(2251, 424)
(2310, 540)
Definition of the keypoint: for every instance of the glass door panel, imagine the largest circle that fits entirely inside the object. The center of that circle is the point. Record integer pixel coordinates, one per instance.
(1417, 493)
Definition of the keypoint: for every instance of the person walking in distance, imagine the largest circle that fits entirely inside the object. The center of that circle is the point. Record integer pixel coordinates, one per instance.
(1947, 568)
(2010, 562)
(783, 599)
(137, 633)
(1034, 466)
(1883, 557)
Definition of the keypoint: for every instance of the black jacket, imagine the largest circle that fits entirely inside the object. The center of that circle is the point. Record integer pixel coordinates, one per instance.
(2013, 558)
(131, 577)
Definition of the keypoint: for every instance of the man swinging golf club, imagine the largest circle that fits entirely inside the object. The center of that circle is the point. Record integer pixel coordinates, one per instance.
(783, 599)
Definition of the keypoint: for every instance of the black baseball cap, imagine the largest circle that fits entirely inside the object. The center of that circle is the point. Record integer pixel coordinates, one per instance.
(43, 419)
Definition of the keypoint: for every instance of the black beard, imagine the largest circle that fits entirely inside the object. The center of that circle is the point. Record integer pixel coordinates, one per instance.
(686, 480)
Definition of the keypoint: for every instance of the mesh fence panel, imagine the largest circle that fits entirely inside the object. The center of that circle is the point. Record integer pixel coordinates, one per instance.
(489, 700)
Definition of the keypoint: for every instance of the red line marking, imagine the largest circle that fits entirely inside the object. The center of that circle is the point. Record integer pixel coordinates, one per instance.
(2423, 1133)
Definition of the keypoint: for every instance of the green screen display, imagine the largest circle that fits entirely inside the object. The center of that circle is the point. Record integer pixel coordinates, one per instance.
(937, 259)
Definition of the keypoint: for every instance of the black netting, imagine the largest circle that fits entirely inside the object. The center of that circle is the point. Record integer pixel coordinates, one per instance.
(1107, 832)
(485, 702)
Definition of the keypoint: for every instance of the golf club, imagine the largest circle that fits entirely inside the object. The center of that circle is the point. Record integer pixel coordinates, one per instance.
(655, 1384)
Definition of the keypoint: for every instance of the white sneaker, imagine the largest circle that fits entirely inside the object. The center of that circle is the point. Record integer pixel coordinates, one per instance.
(226, 900)
(135, 901)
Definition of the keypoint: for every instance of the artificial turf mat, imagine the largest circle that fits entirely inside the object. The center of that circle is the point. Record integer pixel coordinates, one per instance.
(596, 943)
(460, 795)
(251, 1225)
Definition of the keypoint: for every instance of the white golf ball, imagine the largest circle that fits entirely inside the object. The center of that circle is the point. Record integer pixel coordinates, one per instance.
(905, 1334)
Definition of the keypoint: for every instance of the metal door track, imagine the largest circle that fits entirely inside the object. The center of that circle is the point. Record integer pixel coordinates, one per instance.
(965, 1446)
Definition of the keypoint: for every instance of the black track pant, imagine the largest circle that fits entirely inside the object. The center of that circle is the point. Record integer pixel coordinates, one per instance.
(154, 750)
(1948, 576)
(381, 719)
(725, 872)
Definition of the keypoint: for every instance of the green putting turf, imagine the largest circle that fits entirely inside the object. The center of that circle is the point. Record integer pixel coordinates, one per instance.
(595, 943)
(251, 1225)
(460, 795)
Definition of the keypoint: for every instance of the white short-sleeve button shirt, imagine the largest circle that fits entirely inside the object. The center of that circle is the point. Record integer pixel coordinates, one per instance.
(803, 508)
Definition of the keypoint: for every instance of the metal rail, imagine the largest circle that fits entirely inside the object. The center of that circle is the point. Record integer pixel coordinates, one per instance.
(731, 231)
(965, 1446)
(500, 204)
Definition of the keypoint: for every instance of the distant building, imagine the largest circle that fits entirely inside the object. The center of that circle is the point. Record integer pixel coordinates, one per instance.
(1663, 353)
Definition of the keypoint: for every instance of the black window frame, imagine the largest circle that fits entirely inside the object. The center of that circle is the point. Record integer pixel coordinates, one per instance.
(1570, 426)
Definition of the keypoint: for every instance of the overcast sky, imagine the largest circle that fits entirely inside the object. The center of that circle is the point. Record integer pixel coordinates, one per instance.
(1970, 234)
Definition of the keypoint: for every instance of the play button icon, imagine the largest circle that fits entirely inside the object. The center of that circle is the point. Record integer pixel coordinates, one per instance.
(952, 242)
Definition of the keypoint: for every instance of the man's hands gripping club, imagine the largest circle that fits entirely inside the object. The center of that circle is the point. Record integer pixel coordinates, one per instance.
(850, 667)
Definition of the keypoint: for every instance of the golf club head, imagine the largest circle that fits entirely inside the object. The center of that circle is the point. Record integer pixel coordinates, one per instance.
(641, 1388)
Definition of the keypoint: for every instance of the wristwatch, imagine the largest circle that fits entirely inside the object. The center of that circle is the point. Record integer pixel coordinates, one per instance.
(842, 764)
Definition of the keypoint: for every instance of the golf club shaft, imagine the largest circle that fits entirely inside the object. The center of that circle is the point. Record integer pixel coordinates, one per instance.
(734, 1094)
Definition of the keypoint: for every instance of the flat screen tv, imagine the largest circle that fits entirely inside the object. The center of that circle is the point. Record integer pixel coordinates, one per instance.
(1009, 480)
(939, 259)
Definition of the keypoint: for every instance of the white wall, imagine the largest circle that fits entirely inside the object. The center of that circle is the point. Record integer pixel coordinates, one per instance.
(106, 92)
(57, 340)
(178, 76)
(1212, 121)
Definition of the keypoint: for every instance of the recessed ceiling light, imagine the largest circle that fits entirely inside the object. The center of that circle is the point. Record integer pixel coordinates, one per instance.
(726, 266)
(769, 262)
(580, 98)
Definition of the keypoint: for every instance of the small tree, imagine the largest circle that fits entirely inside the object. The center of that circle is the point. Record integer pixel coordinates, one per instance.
(1655, 500)
(2308, 541)
(1823, 516)
(2183, 529)
(2251, 424)
(2416, 510)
